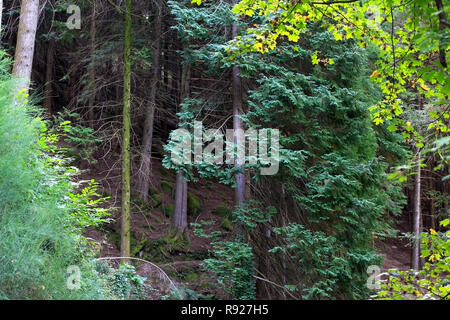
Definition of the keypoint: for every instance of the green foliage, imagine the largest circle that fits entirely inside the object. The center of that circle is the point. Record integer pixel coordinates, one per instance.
(323, 267)
(194, 207)
(198, 23)
(441, 147)
(182, 293)
(82, 141)
(222, 211)
(201, 229)
(152, 191)
(192, 277)
(167, 187)
(333, 161)
(232, 263)
(175, 241)
(250, 215)
(138, 247)
(226, 224)
(168, 210)
(333, 164)
(156, 200)
(122, 283)
(441, 200)
(432, 282)
(86, 207)
(397, 29)
(40, 230)
(162, 249)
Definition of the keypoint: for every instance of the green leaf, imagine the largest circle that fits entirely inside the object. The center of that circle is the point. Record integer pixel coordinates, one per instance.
(445, 222)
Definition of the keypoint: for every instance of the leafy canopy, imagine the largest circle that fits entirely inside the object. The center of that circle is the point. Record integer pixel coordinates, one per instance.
(408, 34)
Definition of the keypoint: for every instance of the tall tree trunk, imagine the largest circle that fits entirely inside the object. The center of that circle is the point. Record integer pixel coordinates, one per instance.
(26, 36)
(180, 212)
(239, 137)
(284, 213)
(48, 99)
(125, 226)
(181, 189)
(91, 69)
(145, 162)
(238, 126)
(415, 261)
(1, 15)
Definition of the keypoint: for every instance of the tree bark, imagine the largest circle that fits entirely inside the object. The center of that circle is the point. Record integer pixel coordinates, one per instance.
(181, 189)
(125, 226)
(239, 137)
(180, 212)
(1, 15)
(91, 69)
(48, 99)
(238, 126)
(26, 36)
(415, 261)
(145, 162)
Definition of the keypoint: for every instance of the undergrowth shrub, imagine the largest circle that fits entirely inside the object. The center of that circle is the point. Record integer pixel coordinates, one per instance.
(230, 261)
(122, 283)
(41, 214)
(317, 255)
(432, 282)
(82, 140)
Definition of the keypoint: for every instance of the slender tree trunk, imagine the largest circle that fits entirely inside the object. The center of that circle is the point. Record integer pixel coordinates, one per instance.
(48, 99)
(1, 15)
(91, 69)
(145, 162)
(181, 189)
(180, 212)
(239, 137)
(415, 261)
(432, 186)
(26, 36)
(125, 227)
(284, 211)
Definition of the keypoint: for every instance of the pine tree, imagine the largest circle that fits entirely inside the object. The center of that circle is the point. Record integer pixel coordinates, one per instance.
(332, 176)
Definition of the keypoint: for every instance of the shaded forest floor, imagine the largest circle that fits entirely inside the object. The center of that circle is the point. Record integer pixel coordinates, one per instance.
(151, 236)
(181, 260)
(396, 250)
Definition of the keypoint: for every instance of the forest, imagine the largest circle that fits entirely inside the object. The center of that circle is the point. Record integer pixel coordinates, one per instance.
(224, 150)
